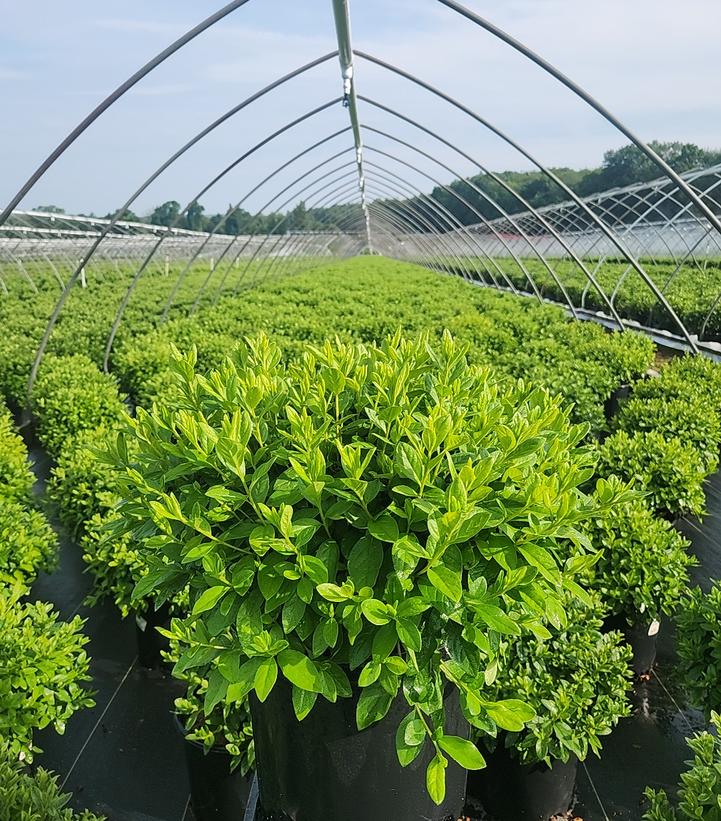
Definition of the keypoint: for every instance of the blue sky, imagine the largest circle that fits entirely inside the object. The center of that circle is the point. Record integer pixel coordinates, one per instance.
(652, 62)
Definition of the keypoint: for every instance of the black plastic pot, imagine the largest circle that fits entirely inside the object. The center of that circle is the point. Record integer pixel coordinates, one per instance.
(216, 793)
(150, 642)
(323, 769)
(642, 640)
(614, 402)
(510, 791)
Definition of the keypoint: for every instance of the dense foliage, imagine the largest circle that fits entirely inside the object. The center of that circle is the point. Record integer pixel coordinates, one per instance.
(27, 543)
(71, 395)
(43, 667)
(699, 794)
(16, 477)
(32, 796)
(642, 571)
(318, 510)
(699, 647)
(669, 471)
(577, 682)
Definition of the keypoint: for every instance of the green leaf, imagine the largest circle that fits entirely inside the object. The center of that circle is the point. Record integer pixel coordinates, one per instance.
(407, 753)
(369, 674)
(244, 681)
(209, 598)
(446, 576)
(375, 611)
(373, 705)
(364, 562)
(409, 634)
(462, 751)
(384, 528)
(300, 670)
(436, 778)
(217, 688)
(510, 714)
(265, 678)
(496, 619)
(415, 732)
(331, 592)
(293, 612)
(303, 702)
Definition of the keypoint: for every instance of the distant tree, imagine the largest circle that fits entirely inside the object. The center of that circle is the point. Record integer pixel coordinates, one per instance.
(194, 219)
(166, 214)
(50, 209)
(126, 216)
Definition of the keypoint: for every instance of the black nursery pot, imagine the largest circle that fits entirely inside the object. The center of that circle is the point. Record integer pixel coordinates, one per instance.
(216, 793)
(642, 640)
(323, 769)
(150, 642)
(614, 402)
(510, 791)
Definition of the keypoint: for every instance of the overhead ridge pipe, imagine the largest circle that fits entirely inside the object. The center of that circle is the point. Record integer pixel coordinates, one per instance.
(341, 14)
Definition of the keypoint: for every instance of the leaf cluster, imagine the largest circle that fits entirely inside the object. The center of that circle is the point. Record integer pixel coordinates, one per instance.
(375, 517)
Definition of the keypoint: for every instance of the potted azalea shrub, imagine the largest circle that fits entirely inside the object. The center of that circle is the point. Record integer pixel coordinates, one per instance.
(641, 574)
(357, 530)
(218, 741)
(698, 624)
(577, 683)
(699, 793)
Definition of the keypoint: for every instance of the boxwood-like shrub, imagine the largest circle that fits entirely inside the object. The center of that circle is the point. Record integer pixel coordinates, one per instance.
(220, 725)
(114, 563)
(32, 796)
(43, 667)
(72, 395)
(577, 683)
(16, 477)
(381, 514)
(699, 647)
(685, 377)
(27, 543)
(642, 571)
(80, 483)
(699, 794)
(690, 420)
(670, 472)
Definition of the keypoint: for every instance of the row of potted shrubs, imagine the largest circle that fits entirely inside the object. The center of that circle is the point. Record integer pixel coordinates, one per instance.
(645, 591)
(633, 596)
(43, 663)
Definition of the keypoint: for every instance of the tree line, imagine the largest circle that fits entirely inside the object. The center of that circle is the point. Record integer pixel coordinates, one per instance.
(620, 167)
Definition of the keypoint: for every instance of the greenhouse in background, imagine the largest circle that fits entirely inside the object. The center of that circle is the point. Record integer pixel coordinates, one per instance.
(391, 490)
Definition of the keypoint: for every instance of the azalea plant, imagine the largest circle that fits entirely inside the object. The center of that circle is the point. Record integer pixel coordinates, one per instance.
(368, 521)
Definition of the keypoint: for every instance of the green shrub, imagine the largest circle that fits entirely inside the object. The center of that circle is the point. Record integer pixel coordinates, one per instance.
(26, 796)
(577, 683)
(699, 647)
(669, 471)
(27, 543)
(80, 483)
(389, 510)
(42, 670)
(699, 795)
(114, 563)
(72, 395)
(642, 571)
(16, 477)
(689, 420)
(685, 377)
(227, 726)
